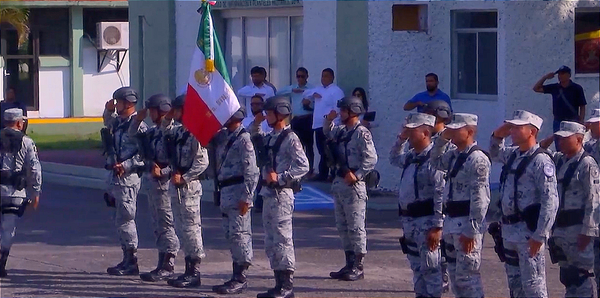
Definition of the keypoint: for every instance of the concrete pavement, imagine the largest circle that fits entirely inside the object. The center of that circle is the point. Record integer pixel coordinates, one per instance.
(64, 248)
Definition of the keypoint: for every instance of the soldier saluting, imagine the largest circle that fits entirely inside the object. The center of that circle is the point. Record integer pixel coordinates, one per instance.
(124, 163)
(578, 216)
(156, 181)
(187, 160)
(21, 172)
(420, 204)
(355, 157)
(529, 201)
(286, 164)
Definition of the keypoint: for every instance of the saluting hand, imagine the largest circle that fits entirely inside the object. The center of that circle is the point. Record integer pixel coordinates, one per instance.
(332, 115)
(110, 105)
(141, 115)
(259, 118)
(503, 131)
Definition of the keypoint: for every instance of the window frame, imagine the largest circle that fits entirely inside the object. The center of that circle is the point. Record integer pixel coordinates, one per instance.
(581, 10)
(242, 15)
(454, 48)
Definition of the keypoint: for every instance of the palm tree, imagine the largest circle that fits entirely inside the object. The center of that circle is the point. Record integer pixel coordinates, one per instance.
(18, 18)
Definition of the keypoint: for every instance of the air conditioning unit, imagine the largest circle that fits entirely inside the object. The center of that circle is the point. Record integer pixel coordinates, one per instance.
(112, 35)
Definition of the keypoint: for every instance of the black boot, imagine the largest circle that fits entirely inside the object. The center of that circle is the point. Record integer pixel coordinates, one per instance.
(129, 265)
(271, 292)
(237, 284)
(349, 264)
(356, 272)
(3, 260)
(191, 277)
(164, 270)
(287, 285)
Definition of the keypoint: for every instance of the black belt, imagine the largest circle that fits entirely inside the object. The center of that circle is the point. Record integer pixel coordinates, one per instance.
(418, 209)
(458, 208)
(231, 181)
(567, 218)
(302, 116)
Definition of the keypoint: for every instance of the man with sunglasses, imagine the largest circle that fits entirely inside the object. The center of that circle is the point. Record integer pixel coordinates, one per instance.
(302, 113)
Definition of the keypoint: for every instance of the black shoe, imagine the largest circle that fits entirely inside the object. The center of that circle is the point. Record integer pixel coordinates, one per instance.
(238, 282)
(349, 264)
(129, 265)
(191, 277)
(356, 272)
(284, 287)
(271, 292)
(164, 270)
(3, 260)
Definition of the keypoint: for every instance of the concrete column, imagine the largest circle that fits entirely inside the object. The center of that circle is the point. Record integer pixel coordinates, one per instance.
(76, 63)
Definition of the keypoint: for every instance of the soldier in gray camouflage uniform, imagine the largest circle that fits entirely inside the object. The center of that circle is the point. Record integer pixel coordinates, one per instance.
(21, 173)
(529, 206)
(156, 182)
(592, 147)
(283, 171)
(124, 178)
(576, 224)
(187, 160)
(355, 156)
(420, 203)
(237, 179)
(466, 202)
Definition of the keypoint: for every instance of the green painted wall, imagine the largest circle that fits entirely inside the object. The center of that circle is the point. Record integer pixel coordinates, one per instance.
(352, 44)
(65, 128)
(76, 61)
(152, 46)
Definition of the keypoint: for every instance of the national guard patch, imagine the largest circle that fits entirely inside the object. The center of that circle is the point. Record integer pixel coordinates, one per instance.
(481, 169)
(549, 170)
(367, 136)
(595, 174)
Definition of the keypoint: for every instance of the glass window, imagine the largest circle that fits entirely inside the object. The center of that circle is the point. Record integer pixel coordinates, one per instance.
(296, 28)
(475, 55)
(279, 51)
(233, 53)
(256, 43)
(52, 27)
(587, 41)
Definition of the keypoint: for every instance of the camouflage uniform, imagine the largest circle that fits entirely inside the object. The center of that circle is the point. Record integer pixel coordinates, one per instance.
(187, 157)
(425, 264)
(592, 147)
(469, 187)
(12, 199)
(536, 186)
(125, 189)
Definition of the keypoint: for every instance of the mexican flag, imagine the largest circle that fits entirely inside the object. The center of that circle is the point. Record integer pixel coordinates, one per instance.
(209, 101)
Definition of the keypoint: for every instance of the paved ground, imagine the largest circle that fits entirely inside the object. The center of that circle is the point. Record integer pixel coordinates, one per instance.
(63, 249)
(87, 158)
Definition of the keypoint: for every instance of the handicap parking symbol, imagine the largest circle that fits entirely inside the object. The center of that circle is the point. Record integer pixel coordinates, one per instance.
(311, 198)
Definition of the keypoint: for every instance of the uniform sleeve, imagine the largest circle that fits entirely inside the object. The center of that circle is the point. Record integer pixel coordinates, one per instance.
(329, 129)
(438, 198)
(135, 161)
(168, 127)
(591, 187)
(479, 195)
(108, 118)
(200, 163)
(545, 181)
(398, 153)
(498, 151)
(250, 169)
(441, 156)
(134, 128)
(255, 129)
(550, 88)
(32, 166)
(368, 152)
(299, 163)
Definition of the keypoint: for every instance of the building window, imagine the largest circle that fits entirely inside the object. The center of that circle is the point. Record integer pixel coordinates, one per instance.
(273, 42)
(587, 41)
(51, 26)
(409, 17)
(475, 54)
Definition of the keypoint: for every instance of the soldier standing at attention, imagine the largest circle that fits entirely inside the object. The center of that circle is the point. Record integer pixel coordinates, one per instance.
(592, 147)
(21, 172)
(420, 204)
(529, 201)
(576, 224)
(237, 178)
(286, 165)
(187, 160)
(124, 164)
(156, 182)
(355, 157)
(466, 202)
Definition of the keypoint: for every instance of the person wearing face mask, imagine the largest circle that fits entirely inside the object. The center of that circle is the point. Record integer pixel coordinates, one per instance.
(528, 202)
(285, 165)
(156, 181)
(355, 157)
(125, 163)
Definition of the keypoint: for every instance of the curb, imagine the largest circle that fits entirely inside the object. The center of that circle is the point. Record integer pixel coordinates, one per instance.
(72, 175)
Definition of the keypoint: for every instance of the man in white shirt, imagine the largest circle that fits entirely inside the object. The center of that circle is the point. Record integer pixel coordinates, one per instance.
(325, 100)
(258, 87)
(256, 104)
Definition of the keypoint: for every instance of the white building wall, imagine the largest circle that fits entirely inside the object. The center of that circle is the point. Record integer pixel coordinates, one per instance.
(98, 87)
(54, 92)
(534, 38)
(187, 23)
(319, 44)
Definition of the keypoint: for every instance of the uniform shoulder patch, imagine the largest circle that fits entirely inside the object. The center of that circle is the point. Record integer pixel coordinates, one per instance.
(549, 170)
(481, 169)
(366, 134)
(595, 173)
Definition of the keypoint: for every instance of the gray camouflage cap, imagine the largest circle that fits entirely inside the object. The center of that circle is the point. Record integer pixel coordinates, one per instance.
(414, 120)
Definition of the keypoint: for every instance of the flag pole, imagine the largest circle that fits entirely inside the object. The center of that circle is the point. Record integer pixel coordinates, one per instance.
(210, 59)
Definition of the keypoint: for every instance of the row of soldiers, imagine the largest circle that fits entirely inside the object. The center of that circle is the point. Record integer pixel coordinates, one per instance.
(170, 162)
(547, 198)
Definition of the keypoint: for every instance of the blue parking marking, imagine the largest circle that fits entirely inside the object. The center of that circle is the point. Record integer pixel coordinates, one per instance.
(311, 198)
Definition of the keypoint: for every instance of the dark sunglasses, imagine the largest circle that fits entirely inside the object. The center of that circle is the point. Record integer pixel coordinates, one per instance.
(300, 76)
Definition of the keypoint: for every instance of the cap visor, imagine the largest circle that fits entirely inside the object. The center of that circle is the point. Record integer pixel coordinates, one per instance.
(456, 125)
(411, 125)
(564, 134)
(595, 119)
(517, 122)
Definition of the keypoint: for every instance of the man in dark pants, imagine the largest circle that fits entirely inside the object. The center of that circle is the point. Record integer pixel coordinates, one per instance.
(568, 98)
(302, 111)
